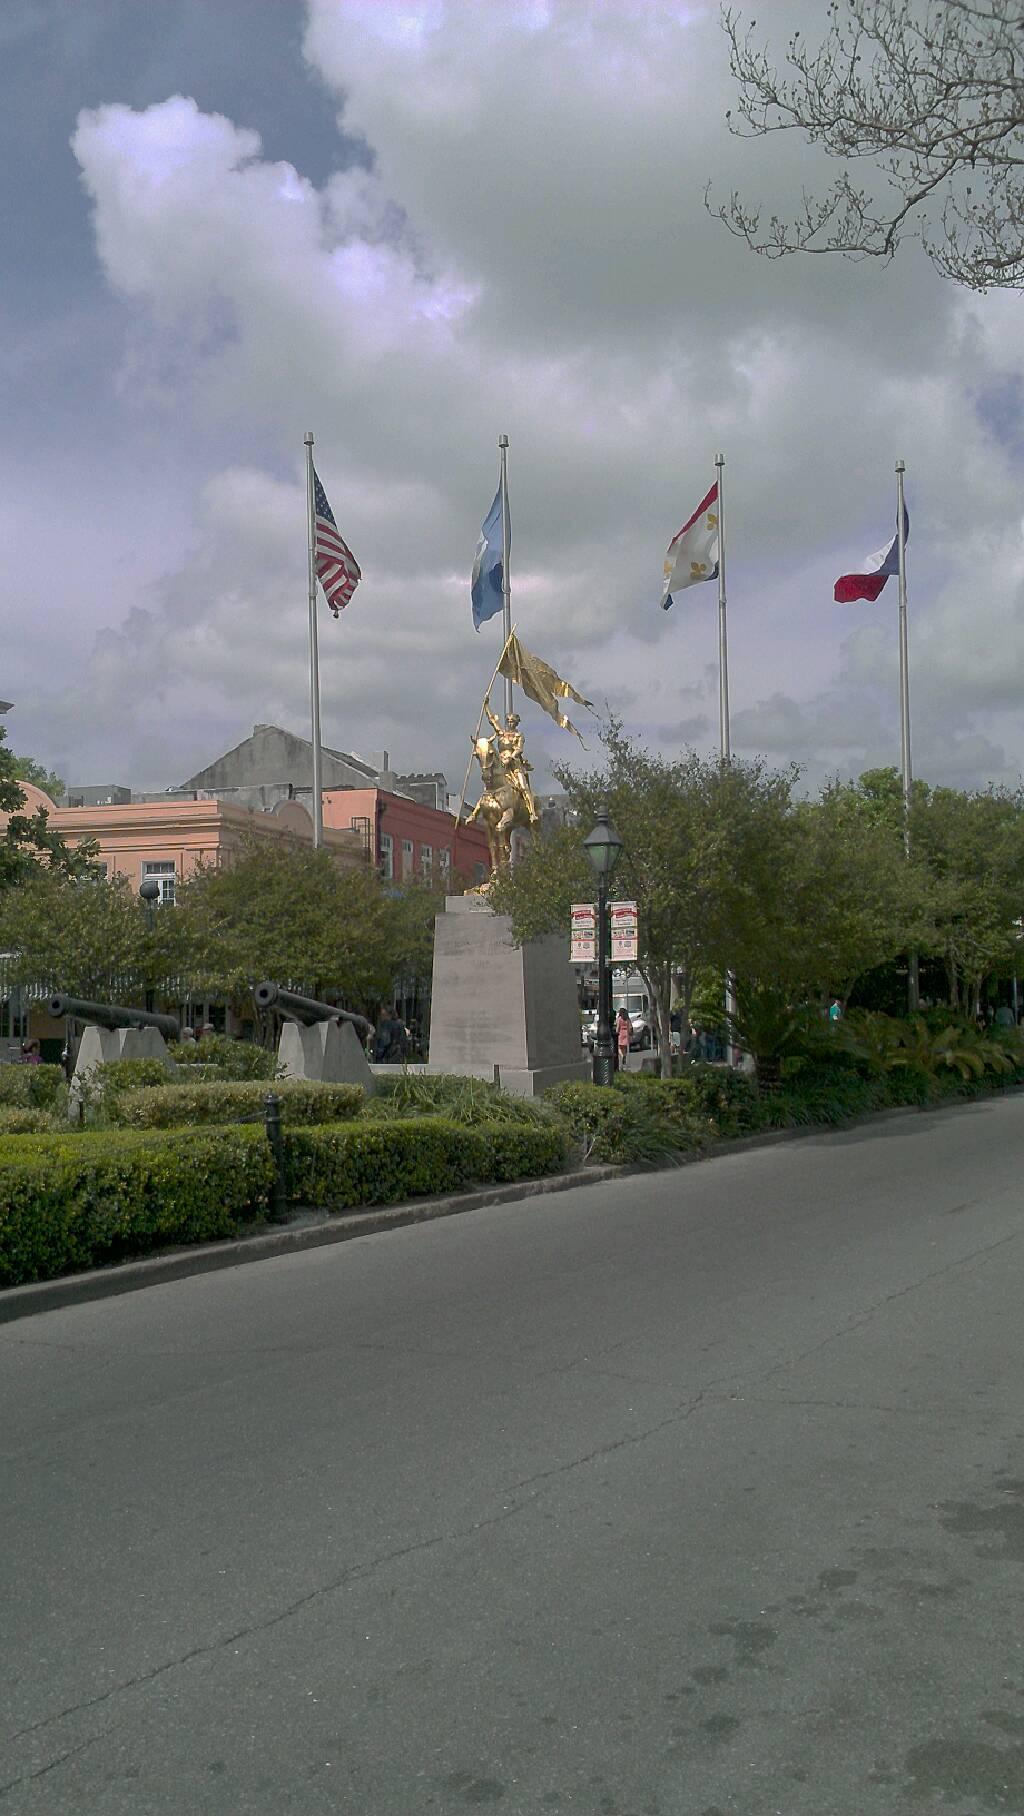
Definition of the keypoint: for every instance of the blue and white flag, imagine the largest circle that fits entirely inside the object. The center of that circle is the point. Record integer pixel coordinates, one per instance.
(489, 566)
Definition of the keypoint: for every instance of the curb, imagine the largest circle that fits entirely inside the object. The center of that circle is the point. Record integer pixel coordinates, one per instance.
(320, 1229)
(307, 1230)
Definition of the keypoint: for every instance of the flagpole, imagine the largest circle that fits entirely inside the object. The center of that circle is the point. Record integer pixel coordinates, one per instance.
(905, 763)
(723, 647)
(314, 661)
(725, 740)
(506, 537)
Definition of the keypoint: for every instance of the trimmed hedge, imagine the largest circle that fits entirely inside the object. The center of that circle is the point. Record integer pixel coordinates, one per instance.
(75, 1201)
(167, 1106)
(382, 1163)
(30, 1087)
(221, 1057)
(78, 1200)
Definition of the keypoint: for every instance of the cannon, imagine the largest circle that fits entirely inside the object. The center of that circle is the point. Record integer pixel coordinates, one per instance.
(112, 1033)
(112, 1016)
(317, 1041)
(305, 1009)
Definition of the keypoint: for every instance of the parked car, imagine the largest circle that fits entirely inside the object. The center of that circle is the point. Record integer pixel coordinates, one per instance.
(643, 1030)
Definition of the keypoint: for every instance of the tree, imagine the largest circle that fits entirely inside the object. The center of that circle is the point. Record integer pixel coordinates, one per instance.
(26, 840)
(293, 916)
(26, 769)
(933, 94)
(796, 898)
(967, 853)
(854, 902)
(973, 848)
(88, 937)
(702, 843)
(411, 913)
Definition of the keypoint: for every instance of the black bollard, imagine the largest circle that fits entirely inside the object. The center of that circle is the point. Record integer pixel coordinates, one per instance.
(272, 1123)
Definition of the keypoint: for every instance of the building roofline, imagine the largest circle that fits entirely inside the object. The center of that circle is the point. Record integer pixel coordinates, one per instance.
(340, 756)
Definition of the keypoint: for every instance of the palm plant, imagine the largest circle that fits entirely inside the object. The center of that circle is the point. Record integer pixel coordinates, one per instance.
(771, 1028)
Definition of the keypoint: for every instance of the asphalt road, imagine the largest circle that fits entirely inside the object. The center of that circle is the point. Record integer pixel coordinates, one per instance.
(695, 1494)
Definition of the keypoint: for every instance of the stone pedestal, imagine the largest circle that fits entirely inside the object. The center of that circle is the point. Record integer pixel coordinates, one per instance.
(496, 1005)
(100, 1046)
(328, 1052)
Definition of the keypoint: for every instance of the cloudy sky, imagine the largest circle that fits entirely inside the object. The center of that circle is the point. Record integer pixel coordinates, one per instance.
(409, 225)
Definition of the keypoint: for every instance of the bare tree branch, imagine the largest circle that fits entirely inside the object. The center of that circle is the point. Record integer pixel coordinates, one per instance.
(931, 92)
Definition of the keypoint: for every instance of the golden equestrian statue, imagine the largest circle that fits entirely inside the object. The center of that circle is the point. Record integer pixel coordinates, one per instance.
(507, 800)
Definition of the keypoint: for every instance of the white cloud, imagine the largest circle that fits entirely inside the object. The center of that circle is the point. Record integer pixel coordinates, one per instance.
(529, 251)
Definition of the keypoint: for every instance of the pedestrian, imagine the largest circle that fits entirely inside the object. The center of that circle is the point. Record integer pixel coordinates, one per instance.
(1005, 1016)
(835, 1012)
(623, 1037)
(30, 1055)
(391, 1044)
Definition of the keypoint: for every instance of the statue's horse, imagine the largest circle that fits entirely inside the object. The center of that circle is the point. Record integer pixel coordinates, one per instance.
(501, 807)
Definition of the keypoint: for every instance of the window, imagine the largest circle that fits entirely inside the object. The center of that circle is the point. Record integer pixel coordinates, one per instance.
(426, 861)
(387, 856)
(406, 860)
(444, 863)
(165, 875)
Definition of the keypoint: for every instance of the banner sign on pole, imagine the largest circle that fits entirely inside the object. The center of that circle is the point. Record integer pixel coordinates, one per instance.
(625, 932)
(583, 934)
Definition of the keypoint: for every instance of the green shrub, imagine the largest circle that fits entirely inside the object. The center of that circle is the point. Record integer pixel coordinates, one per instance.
(703, 1099)
(174, 1106)
(72, 1201)
(224, 1058)
(384, 1162)
(824, 1094)
(31, 1087)
(26, 1122)
(908, 1085)
(621, 1126)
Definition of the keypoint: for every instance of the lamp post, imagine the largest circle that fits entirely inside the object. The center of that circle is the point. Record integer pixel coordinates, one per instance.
(602, 847)
(149, 891)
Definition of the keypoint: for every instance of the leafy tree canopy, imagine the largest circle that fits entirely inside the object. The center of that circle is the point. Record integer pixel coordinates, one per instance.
(27, 840)
(26, 769)
(88, 937)
(701, 844)
(298, 918)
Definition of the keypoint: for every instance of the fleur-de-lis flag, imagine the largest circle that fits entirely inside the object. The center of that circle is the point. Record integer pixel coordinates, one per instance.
(693, 551)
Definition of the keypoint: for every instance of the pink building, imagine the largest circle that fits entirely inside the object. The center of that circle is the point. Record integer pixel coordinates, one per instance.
(170, 839)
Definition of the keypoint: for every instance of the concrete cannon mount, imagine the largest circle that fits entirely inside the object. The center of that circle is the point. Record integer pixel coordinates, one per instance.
(328, 1052)
(494, 1004)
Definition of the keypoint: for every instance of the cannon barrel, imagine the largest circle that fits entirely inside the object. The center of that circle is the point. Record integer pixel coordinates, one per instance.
(111, 1015)
(304, 1009)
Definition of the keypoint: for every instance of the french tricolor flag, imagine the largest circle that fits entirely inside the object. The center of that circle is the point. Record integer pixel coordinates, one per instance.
(868, 583)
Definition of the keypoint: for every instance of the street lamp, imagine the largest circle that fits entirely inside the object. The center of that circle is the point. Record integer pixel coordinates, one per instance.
(149, 894)
(602, 847)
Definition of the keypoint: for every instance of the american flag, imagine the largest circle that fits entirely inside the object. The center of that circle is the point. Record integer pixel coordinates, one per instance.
(336, 565)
